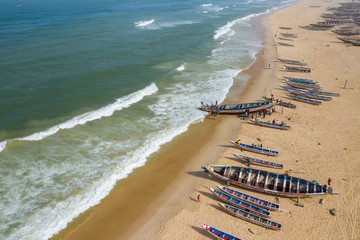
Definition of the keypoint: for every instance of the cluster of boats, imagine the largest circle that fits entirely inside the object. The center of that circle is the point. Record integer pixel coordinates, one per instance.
(306, 90)
(344, 21)
(250, 208)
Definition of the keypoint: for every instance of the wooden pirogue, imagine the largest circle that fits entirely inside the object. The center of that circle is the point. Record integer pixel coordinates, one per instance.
(270, 124)
(236, 108)
(297, 69)
(239, 203)
(219, 234)
(257, 161)
(303, 99)
(281, 102)
(305, 93)
(251, 199)
(256, 149)
(268, 182)
(300, 80)
(264, 222)
(294, 62)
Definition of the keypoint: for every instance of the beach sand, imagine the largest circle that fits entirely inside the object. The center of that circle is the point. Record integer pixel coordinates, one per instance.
(158, 201)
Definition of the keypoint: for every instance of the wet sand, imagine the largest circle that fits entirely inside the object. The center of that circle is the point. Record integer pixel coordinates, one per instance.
(158, 201)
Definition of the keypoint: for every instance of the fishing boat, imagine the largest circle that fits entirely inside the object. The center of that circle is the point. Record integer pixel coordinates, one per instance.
(302, 85)
(237, 108)
(286, 28)
(285, 44)
(268, 182)
(323, 93)
(219, 234)
(294, 62)
(239, 203)
(289, 35)
(270, 124)
(305, 93)
(314, 28)
(257, 161)
(350, 40)
(281, 102)
(264, 222)
(251, 199)
(327, 24)
(300, 80)
(297, 69)
(346, 33)
(303, 99)
(255, 149)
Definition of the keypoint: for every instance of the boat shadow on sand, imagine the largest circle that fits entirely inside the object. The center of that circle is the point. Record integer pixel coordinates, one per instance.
(200, 231)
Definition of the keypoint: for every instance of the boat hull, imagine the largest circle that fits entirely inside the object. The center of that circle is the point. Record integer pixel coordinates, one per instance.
(268, 182)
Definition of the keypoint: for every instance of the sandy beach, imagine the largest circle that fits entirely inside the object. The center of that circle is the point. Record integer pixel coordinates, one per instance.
(158, 201)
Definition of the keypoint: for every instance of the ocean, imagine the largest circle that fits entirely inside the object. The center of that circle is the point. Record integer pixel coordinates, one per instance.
(90, 89)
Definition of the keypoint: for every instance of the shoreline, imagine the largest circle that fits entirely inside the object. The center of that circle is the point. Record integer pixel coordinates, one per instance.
(173, 214)
(82, 226)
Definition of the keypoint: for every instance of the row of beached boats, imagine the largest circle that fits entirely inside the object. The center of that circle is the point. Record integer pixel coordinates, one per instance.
(247, 207)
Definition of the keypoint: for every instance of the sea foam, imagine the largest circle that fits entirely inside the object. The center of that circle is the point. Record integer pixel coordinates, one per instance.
(144, 23)
(120, 103)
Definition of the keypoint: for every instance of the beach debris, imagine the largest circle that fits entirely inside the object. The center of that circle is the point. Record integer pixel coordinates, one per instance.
(258, 139)
(343, 179)
(333, 211)
(321, 201)
(319, 143)
(251, 231)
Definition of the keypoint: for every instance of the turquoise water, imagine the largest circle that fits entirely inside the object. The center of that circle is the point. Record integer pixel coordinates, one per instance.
(90, 89)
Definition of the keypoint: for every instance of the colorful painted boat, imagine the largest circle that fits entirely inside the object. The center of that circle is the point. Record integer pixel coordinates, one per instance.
(303, 99)
(300, 80)
(353, 41)
(281, 102)
(270, 124)
(264, 222)
(255, 149)
(239, 203)
(257, 161)
(219, 234)
(318, 92)
(251, 199)
(302, 85)
(306, 93)
(346, 33)
(237, 108)
(268, 182)
(294, 62)
(297, 69)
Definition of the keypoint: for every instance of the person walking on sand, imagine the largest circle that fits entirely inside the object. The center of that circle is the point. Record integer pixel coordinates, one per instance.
(198, 198)
(329, 181)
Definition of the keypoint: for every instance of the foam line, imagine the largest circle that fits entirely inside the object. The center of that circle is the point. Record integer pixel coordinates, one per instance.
(120, 103)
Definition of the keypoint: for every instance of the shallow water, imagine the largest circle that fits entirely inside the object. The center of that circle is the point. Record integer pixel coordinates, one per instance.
(90, 89)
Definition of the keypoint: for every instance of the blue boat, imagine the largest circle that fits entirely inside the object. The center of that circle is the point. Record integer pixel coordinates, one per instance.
(264, 222)
(256, 149)
(219, 234)
(302, 99)
(301, 80)
(239, 203)
(251, 199)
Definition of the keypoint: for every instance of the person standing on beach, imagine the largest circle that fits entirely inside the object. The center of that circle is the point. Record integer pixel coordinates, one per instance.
(329, 181)
(198, 198)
